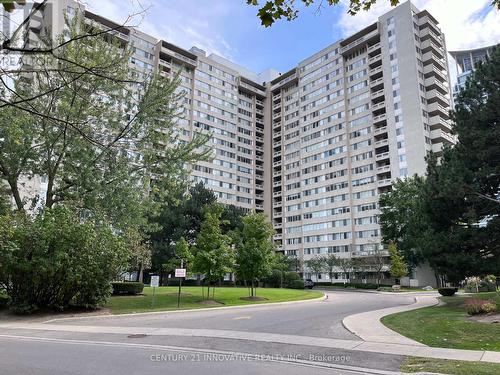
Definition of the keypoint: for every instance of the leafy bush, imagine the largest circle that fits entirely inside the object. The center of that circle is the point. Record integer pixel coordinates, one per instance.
(127, 287)
(55, 260)
(480, 306)
(297, 284)
(4, 299)
(447, 291)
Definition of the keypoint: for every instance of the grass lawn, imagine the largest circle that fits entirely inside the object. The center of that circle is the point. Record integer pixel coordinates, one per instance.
(448, 326)
(443, 366)
(191, 298)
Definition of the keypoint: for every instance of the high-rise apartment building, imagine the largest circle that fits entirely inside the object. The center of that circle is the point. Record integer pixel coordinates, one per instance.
(316, 146)
(466, 62)
(347, 122)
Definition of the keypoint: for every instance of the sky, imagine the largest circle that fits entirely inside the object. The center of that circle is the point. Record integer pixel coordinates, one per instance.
(231, 28)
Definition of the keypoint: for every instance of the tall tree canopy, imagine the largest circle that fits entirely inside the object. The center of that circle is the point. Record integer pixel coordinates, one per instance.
(452, 218)
(273, 10)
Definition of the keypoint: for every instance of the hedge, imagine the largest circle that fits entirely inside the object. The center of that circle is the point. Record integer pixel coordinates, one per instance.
(127, 287)
(296, 284)
(350, 285)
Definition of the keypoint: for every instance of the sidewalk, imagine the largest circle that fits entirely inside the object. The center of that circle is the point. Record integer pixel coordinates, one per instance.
(378, 338)
(368, 327)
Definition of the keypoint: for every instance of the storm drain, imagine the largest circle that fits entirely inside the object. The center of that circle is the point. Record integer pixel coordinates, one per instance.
(136, 336)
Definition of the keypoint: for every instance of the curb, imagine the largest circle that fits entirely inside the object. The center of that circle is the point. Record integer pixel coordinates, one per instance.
(322, 298)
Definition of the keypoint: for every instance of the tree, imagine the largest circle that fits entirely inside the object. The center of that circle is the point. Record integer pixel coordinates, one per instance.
(282, 263)
(451, 219)
(91, 128)
(375, 262)
(213, 256)
(140, 257)
(316, 265)
(402, 217)
(274, 10)
(346, 265)
(398, 268)
(331, 264)
(255, 249)
(56, 260)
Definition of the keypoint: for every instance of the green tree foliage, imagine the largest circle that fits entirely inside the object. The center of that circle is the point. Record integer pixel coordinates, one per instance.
(316, 265)
(93, 128)
(452, 218)
(182, 215)
(255, 249)
(331, 263)
(55, 260)
(273, 10)
(213, 256)
(398, 268)
(401, 217)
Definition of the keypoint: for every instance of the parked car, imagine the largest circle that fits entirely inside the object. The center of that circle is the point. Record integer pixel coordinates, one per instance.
(308, 283)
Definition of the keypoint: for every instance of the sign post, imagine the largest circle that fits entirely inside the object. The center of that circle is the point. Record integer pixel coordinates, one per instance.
(155, 283)
(180, 273)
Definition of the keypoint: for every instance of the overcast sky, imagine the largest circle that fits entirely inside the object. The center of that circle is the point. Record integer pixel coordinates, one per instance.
(230, 28)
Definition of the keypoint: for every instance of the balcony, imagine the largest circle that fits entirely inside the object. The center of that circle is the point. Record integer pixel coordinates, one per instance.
(432, 71)
(382, 156)
(383, 183)
(431, 58)
(276, 115)
(378, 106)
(384, 169)
(260, 139)
(278, 236)
(382, 142)
(379, 118)
(277, 204)
(377, 94)
(259, 206)
(377, 84)
(259, 196)
(259, 186)
(438, 136)
(277, 134)
(276, 183)
(381, 130)
(278, 225)
(375, 60)
(277, 97)
(439, 122)
(356, 44)
(436, 109)
(428, 33)
(376, 71)
(259, 157)
(276, 144)
(429, 45)
(277, 163)
(435, 96)
(276, 153)
(433, 83)
(277, 106)
(259, 111)
(259, 148)
(374, 47)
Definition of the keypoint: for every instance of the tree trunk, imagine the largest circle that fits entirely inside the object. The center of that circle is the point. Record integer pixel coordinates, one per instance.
(251, 288)
(15, 193)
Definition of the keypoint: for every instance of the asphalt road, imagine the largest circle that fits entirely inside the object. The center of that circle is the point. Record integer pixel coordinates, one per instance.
(24, 351)
(317, 319)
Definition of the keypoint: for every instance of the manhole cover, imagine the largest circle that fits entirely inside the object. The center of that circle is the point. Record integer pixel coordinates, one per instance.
(136, 336)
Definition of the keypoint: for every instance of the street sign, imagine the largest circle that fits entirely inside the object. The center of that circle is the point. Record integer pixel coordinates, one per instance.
(155, 281)
(180, 272)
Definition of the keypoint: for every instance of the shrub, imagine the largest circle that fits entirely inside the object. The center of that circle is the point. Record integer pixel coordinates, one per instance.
(447, 291)
(55, 260)
(4, 299)
(127, 287)
(480, 306)
(297, 284)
